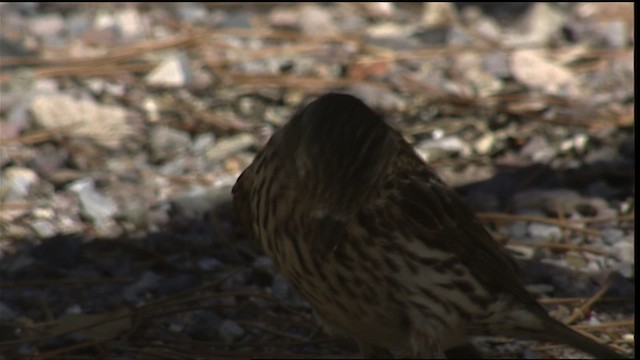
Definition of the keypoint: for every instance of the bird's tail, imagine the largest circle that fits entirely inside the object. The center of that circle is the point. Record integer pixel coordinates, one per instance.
(559, 332)
(538, 325)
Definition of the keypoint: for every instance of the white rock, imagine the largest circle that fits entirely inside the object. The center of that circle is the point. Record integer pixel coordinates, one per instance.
(532, 68)
(173, 71)
(16, 182)
(624, 251)
(105, 124)
(47, 25)
(130, 23)
(314, 19)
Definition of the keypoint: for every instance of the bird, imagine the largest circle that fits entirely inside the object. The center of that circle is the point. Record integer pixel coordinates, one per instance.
(378, 245)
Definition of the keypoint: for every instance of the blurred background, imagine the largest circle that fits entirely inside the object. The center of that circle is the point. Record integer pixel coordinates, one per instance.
(123, 127)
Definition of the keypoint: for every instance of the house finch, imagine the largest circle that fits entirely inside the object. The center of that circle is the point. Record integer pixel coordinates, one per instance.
(378, 244)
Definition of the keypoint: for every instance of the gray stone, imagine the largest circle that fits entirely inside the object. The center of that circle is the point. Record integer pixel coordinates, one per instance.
(538, 149)
(229, 331)
(148, 281)
(601, 154)
(282, 290)
(176, 328)
(209, 263)
(166, 143)
(202, 143)
(628, 270)
(612, 33)
(236, 19)
(545, 231)
(229, 145)
(74, 309)
(174, 167)
(264, 263)
(95, 206)
(611, 236)
(198, 201)
(43, 228)
(77, 24)
(518, 230)
(10, 47)
(234, 281)
(6, 313)
(193, 12)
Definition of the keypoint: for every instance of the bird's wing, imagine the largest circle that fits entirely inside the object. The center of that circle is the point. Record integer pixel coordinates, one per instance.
(443, 221)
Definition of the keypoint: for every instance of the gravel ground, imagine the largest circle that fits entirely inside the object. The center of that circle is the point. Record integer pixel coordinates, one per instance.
(123, 127)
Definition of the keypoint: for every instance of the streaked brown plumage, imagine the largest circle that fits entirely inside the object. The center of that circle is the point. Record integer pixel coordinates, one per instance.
(379, 246)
